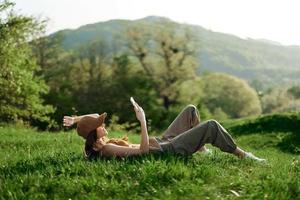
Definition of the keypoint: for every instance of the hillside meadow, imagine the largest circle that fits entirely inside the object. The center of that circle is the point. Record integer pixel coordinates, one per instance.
(47, 165)
(166, 65)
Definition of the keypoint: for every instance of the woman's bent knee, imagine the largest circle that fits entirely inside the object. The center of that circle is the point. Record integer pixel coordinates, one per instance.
(213, 121)
(191, 107)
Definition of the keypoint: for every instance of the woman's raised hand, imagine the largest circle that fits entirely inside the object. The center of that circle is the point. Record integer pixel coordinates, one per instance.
(139, 112)
(68, 121)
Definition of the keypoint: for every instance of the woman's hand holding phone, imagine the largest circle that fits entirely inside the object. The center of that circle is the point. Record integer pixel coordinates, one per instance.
(140, 114)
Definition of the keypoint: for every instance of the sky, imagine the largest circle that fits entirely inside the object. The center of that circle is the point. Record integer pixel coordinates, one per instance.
(276, 20)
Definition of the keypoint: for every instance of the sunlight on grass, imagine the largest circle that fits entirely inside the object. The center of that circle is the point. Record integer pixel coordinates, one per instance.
(40, 165)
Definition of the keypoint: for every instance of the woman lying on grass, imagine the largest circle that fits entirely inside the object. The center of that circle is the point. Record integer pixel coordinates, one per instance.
(185, 136)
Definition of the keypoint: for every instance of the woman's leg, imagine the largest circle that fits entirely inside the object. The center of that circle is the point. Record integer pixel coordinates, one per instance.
(242, 154)
(208, 132)
(188, 118)
(185, 120)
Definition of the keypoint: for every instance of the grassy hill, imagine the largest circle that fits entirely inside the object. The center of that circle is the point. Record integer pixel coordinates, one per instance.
(268, 62)
(42, 165)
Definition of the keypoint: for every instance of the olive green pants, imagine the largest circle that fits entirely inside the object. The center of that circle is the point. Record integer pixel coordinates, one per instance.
(186, 134)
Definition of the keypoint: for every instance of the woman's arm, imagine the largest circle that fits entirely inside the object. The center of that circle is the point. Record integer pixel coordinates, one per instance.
(143, 148)
(140, 115)
(119, 151)
(123, 151)
(70, 120)
(152, 143)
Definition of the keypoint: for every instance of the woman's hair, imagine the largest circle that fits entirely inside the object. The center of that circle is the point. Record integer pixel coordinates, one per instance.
(89, 151)
(93, 146)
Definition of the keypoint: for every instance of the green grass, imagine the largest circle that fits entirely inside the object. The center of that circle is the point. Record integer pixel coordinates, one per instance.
(42, 165)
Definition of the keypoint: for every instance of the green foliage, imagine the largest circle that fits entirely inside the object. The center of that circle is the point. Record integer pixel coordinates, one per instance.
(110, 91)
(90, 80)
(270, 64)
(295, 91)
(167, 56)
(283, 122)
(156, 61)
(87, 81)
(41, 165)
(280, 99)
(219, 114)
(126, 81)
(20, 88)
(227, 95)
(288, 124)
(204, 112)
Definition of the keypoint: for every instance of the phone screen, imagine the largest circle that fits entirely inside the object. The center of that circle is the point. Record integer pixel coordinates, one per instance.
(132, 101)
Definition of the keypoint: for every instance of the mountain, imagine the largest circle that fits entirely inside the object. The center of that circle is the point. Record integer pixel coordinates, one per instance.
(260, 60)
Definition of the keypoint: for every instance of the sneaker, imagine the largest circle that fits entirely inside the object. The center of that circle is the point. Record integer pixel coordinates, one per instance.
(249, 155)
(208, 151)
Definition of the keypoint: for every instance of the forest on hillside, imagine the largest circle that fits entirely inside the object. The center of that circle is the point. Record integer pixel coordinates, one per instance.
(262, 62)
(41, 80)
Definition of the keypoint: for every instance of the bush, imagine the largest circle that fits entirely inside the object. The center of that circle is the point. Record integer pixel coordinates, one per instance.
(278, 100)
(228, 95)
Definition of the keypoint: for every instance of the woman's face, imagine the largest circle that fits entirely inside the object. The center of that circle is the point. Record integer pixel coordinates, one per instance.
(101, 131)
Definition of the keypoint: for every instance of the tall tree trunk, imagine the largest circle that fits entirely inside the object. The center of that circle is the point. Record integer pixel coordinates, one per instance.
(167, 102)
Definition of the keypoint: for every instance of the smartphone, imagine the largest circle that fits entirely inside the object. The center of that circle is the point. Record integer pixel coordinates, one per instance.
(132, 101)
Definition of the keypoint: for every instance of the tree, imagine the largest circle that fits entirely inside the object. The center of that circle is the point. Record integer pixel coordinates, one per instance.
(48, 53)
(294, 91)
(278, 99)
(20, 88)
(166, 54)
(126, 81)
(225, 94)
